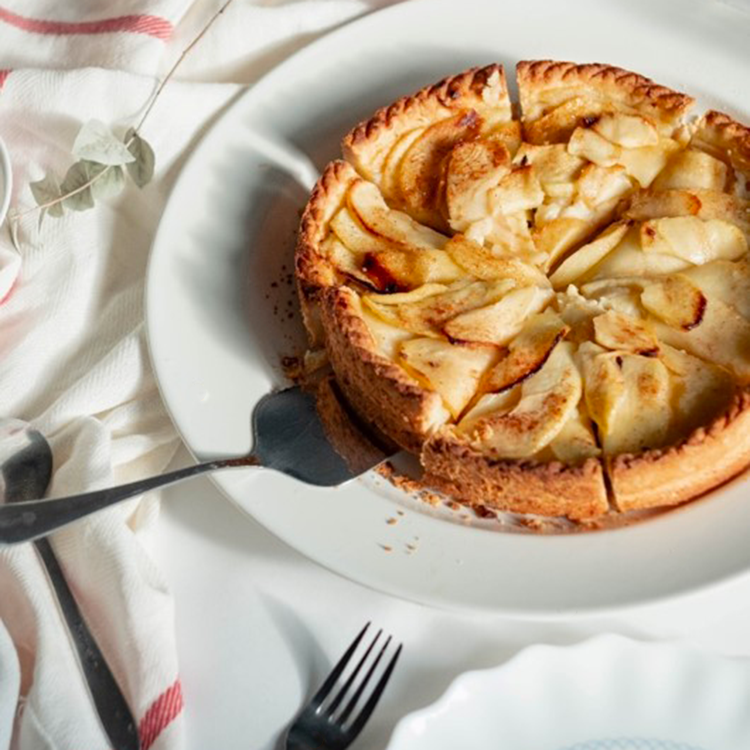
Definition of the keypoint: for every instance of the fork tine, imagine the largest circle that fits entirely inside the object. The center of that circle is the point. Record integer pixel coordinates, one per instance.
(353, 676)
(366, 681)
(328, 685)
(359, 723)
(350, 706)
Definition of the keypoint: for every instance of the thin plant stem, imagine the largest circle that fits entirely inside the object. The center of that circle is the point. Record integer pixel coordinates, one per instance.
(19, 215)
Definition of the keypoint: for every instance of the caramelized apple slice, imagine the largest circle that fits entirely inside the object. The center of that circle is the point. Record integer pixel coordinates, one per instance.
(553, 164)
(389, 180)
(584, 259)
(509, 233)
(693, 169)
(676, 301)
(528, 351)
(355, 237)
(693, 239)
(628, 259)
(507, 133)
(725, 280)
(518, 191)
(500, 321)
(554, 239)
(344, 260)
(494, 404)
(451, 370)
(626, 130)
(628, 396)
(643, 163)
(367, 205)
(472, 169)
(556, 125)
(597, 185)
(588, 144)
(421, 167)
(485, 263)
(395, 270)
(722, 337)
(604, 385)
(576, 440)
(388, 339)
(548, 400)
(655, 204)
(425, 312)
(619, 332)
(705, 204)
(701, 390)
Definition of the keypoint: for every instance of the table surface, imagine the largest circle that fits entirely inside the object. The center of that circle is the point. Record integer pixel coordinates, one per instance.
(259, 626)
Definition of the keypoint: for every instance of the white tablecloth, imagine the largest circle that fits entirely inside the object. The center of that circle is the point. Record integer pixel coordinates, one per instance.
(259, 626)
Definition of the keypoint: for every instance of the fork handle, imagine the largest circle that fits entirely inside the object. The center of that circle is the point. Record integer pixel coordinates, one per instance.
(111, 707)
(24, 522)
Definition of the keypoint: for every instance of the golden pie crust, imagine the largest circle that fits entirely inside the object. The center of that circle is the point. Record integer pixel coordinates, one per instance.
(413, 415)
(543, 84)
(481, 90)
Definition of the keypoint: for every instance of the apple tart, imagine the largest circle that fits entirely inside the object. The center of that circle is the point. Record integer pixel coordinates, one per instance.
(551, 310)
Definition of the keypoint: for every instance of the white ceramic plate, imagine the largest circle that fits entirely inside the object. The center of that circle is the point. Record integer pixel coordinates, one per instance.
(609, 693)
(220, 307)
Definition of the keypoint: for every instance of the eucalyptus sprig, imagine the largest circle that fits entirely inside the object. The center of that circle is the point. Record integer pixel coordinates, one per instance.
(104, 161)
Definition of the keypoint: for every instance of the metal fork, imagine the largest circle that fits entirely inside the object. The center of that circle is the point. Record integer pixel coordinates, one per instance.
(320, 725)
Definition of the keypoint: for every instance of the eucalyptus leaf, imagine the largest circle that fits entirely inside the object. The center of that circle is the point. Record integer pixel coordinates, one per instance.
(75, 178)
(96, 142)
(13, 223)
(46, 190)
(141, 169)
(110, 180)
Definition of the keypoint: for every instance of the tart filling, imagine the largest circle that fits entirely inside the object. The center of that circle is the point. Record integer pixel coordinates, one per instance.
(551, 311)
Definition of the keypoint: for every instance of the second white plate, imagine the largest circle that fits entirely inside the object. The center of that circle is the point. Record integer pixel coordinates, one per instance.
(221, 309)
(610, 693)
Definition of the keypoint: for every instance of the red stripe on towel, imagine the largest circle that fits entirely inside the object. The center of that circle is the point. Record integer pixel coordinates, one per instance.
(4, 76)
(154, 26)
(160, 714)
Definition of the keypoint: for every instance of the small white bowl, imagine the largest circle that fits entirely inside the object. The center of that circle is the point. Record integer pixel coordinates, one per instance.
(608, 693)
(6, 180)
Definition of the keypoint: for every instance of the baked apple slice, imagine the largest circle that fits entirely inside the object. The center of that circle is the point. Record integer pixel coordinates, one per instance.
(420, 169)
(492, 263)
(693, 239)
(577, 265)
(370, 210)
(500, 321)
(628, 397)
(701, 390)
(452, 370)
(576, 441)
(722, 336)
(528, 351)
(725, 280)
(547, 401)
(675, 301)
(693, 169)
(624, 333)
(426, 310)
(472, 169)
